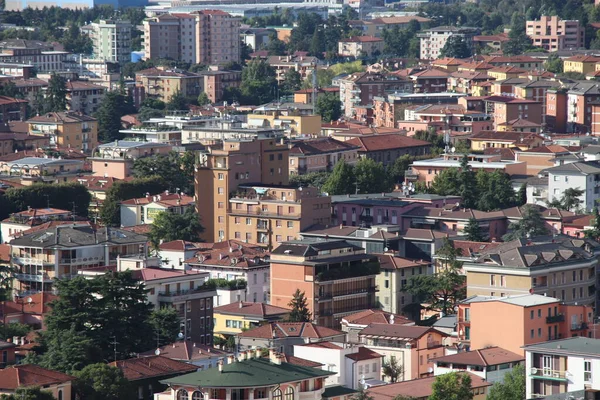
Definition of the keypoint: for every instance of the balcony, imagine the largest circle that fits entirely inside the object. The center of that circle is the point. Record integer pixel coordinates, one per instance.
(555, 318)
(579, 327)
(366, 218)
(183, 295)
(33, 277)
(82, 261)
(546, 373)
(411, 176)
(31, 261)
(340, 293)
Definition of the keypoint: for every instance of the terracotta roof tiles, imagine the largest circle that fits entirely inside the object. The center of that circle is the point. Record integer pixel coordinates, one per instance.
(152, 367)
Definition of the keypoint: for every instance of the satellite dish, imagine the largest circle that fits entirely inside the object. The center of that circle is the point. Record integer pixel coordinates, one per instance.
(180, 335)
(385, 249)
(157, 352)
(430, 370)
(453, 149)
(29, 300)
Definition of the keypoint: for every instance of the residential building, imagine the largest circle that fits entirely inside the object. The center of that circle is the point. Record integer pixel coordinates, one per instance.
(235, 318)
(553, 34)
(162, 83)
(374, 239)
(283, 336)
(505, 139)
(581, 97)
(221, 170)
(184, 291)
(21, 376)
(560, 266)
(269, 215)
(174, 253)
(154, 133)
(360, 46)
(36, 169)
(506, 108)
(7, 353)
(146, 373)
(216, 83)
(302, 64)
(290, 118)
(465, 81)
(354, 323)
(12, 109)
(84, 97)
(63, 250)
(352, 364)
(521, 61)
(66, 129)
(505, 72)
(556, 109)
(532, 318)
(562, 366)
(583, 175)
(359, 89)
(209, 37)
(426, 170)
(581, 63)
(542, 157)
(421, 389)
(387, 148)
(495, 42)
(257, 38)
(413, 347)
(430, 80)
(337, 278)
(22, 221)
(23, 311)
(200, 355)
(453, 119)
(393, 280)
(318, 155)
(490, 363)
(251, 377)
(143, 210)
(212, 133)
(111, 40)
(115, 159)
(44, 61)
(433, 40)
(244, 267)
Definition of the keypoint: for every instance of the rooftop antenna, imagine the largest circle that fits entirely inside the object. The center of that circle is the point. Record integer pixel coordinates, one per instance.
(315, 85)
(115, 343)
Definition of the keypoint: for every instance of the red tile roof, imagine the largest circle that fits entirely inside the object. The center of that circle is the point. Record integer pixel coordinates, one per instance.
(361, 39)
(249, 309)
(179, 245)
(187, 350)
(301, 361)
(30, 375)
(291, 329)
(584, 58)
(368, 317)
(397, 331)
(324, 345)
(151, 274)
(230, 253)
(386, 142)
(320, 146)
(364, 354)
(483, 357)
(468, 248)
(152, 367)
(391, 262)
(38, 305)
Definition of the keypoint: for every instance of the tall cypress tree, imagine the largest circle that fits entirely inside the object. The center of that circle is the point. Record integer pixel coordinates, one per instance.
(473, 231)
(300, 312)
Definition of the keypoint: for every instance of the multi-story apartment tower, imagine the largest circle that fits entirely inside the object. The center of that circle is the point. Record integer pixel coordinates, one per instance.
(222, 169)
(555, 34)
(204, 37)
(433, 40)
(337, 278)
(112, 40)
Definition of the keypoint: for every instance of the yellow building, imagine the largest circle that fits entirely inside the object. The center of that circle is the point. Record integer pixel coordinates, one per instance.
(581, 63)
(237, 317)
(292, 121)
(161, 84)
(505, 72)
(505, 139)
(66, 129)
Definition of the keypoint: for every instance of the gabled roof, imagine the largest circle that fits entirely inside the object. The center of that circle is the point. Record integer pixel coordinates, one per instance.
(16, 376)
(397, 331)
(483, 357)
(386, 142)
(470, 249)
(368, 317)
(305, 330)
(152, 367)
(320, 146)
(179, 245)
(248, 309)
(364, 353)
(392, 262)
(576, 168)
(361, 39)
(506, 136)
(583, 58)
(76, 235)
(186, 350)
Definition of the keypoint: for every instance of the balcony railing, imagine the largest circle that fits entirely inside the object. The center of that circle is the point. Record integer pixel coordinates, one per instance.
(31, 261)
(180, 295)
(555, 318)
(83, 260)
(33, 277)
(546, 373)
(579, 327)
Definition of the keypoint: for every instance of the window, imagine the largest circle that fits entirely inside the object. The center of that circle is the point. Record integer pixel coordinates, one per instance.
(502, 281)
(587, 371)
(532, 333)
(531, 314)
(197, 395)
(290, 224)
(182, 394)
(221, 177)
(367, 370)
(220, 190)
(221, 204)
(539, 332)
(248, 221)
(277, 394)
(360, 369)
(492, 280)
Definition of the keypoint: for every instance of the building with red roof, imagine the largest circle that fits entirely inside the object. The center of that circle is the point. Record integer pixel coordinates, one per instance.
(21, 376)
(360, 46)
(387, 148)
(233, 318)
(143, 210)
(318, 155)
(354, 323)
(188, 351)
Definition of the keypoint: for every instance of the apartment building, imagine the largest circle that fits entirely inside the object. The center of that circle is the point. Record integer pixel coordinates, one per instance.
(209, 37)
(566, 366)
(115, 159)
(245, 268)
(217, 82)
(262, 378)
(580, 99)
(454, 119)
(554, 34)
(29, 375)
(62, 251)
(562, 267)
(360, 46)
(221, 170)
(66, 129)
(430, 80)
(162, 83)
(583, 175)
(39, 169)
(235, 318)
(303, 64)
(396, 273)
(505, 139)
(12, 109)
(413, 347)
(318, 155)
(22, 221)
(143, 210)
(270, 215)
(374, 239)
(581, 63)
(516, 321)
(506, 108)
(43, 60)
(293, 119)
(84, 97)
(354, 323)
(387, 148)
(433, 40)
(111, 40)
(337, 278)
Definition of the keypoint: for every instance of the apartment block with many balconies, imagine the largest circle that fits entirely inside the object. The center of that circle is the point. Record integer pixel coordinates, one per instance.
(553, 34)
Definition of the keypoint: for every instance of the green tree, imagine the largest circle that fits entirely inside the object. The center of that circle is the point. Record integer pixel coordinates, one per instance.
(67, 351)
(467, 188)
(169, 226)
(29, 393)
(145, 113)
(177, 102)
(531, 224)
(456, 47)
(554, 64)
(518, 41)
(397, 170)
(371, 177)
(341, 180)
(571, 199)
(362, 394)
(170, 167)
(101, 382)
(472, 231)
(258, 83)
(495, 191)
(522, 195)
(110, 213)
(317, 43)
(452, 386)
(292, 81)
(165, 324)
(113, 107)
(10, 330)
(594, 231)
(392, 369)
(299, 308)
(56, 94)
(512, 387)
(275, 46)
(203, 99)
(329, 107)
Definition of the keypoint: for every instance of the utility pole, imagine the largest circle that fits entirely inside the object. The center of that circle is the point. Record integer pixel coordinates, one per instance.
(115, 343)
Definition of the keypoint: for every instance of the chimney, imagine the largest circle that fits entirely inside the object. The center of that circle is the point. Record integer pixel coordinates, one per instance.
(241, 305)
(392, 319)
(257, 353)
(220, 365)
(273, 356)
(242, 356)
(230, 359)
